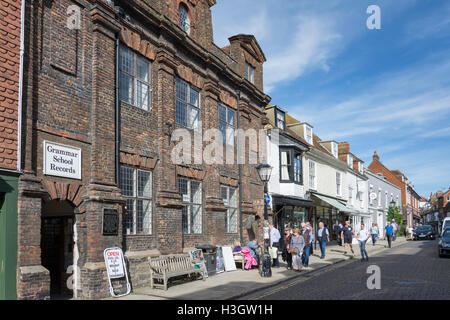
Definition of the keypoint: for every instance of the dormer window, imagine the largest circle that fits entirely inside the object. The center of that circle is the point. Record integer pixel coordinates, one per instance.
(308, 134)
(185, 22)
(249, 73)
(334, 149)
(350, 160)
(280, 119)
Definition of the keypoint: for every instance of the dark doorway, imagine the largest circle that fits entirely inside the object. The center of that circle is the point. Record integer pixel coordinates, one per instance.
(57, 246)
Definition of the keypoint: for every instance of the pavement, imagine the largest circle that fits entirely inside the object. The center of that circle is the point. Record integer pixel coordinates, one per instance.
(412, 271)
(237, 284)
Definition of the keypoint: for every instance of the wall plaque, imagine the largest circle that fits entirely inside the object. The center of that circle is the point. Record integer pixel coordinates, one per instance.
(110, 222)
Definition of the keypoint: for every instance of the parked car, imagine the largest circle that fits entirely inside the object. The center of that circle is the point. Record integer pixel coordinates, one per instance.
(444, 243)
(445, 224)
(424, 232)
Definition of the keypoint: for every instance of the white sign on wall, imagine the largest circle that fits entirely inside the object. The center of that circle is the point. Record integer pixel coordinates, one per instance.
(62, 161)
(373, 195)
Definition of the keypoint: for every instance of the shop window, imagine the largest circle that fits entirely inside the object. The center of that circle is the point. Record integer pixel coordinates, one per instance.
(134, 79)
(136, 186)
(191, 193)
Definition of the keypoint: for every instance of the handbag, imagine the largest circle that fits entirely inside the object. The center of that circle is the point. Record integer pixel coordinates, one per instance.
(273, 251)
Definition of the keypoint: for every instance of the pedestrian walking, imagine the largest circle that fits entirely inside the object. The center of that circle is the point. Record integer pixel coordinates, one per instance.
(297, 246)
(323, 238)
(374, 232)
(362, 237)
(388, 232)
(347, 234)
(339, 237)
(395, 226)
(306, 233)
(311, 232)
(287, 255)
(275, 243)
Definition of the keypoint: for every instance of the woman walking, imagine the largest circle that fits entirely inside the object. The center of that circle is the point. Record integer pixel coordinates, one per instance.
(287, 255)
(297, 245)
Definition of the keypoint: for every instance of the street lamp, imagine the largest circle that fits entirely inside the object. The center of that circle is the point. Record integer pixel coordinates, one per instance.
(392, 203)
(264, 171)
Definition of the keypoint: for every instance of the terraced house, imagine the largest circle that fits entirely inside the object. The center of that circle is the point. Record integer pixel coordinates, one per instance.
(106, 83)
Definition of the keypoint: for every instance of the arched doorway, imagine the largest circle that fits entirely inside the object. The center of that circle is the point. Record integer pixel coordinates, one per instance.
(57, 246)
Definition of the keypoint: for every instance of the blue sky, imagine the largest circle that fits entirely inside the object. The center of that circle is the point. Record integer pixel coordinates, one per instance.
(386, 90)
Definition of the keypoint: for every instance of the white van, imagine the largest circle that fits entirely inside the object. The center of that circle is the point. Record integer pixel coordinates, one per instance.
(445, 224)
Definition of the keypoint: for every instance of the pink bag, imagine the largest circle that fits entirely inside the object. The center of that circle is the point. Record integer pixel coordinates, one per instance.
(249, 259)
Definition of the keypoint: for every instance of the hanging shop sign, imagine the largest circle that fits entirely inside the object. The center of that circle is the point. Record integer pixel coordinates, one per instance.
(61, 160)
(115, 268)
(373, 196)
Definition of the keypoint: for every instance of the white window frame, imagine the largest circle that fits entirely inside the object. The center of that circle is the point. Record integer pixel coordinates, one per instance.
(133, 201)
(279, 120)
(312, 175)
(334, 149)
(350, 160)
(308, 137)
(338, 185)
(350, 196)
(230, 128)
(188, 103)
(232, 210)
(135, 79)
(194, 224)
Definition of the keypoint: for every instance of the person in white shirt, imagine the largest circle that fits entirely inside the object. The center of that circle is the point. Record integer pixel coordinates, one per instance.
(362, 237)
(275, 242)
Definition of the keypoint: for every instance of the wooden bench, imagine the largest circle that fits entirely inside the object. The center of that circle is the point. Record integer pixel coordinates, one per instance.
(239, 258)
(165, 267)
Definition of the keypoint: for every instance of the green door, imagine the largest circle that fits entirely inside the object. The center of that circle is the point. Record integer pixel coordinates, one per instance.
(8, 236)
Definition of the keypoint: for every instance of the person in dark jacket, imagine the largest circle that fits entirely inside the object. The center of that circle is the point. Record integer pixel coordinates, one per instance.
(287, 255)
(306, 233)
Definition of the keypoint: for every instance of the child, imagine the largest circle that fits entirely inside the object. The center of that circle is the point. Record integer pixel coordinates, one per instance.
(296, 260)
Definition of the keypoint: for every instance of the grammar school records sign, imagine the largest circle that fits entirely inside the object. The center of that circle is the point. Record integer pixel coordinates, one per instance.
(61, 160)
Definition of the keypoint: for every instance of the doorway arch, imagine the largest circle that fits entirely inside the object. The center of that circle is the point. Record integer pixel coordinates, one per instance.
(57, 246)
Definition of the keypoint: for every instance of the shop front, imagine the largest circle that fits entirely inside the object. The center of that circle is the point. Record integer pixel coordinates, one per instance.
(290, 211)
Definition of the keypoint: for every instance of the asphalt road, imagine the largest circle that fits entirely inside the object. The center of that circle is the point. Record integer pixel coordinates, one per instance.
(410, 271)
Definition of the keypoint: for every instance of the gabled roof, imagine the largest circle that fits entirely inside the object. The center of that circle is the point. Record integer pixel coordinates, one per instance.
(249, 42)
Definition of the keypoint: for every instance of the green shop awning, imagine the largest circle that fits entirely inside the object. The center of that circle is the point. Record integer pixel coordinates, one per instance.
(333, 202)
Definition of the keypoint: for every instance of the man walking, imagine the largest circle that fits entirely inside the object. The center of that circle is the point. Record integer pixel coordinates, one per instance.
(306, 233)
(362, 238)
(374, 232)
(275, 243)
(347, 234)
(311, 232)
(340, 240)
(388, 232)
(323, 238)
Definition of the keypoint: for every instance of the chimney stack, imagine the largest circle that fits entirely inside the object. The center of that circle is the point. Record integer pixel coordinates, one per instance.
(375, 156)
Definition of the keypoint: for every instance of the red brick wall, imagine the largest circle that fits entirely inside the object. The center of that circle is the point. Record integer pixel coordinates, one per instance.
(9, 81)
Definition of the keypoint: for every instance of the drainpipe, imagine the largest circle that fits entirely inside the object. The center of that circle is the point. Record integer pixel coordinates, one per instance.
(117, 120)
(241, 234)
(19, 104)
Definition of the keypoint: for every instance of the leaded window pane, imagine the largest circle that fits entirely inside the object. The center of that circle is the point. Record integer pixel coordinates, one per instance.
(126, 88)
(143, 95)
(144, 184)
(127, 181)
(194, 97)
(222, 113)
(193, 118)
(197, 219)
(126, 60)
(181, 113)
(128, 217)
(142, 69)
(181, 89)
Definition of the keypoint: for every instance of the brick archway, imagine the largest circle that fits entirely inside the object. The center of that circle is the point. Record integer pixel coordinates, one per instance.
(71, 192)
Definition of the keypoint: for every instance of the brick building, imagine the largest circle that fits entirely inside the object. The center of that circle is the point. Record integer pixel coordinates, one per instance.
(106, 83)
(410, 198)
(10, 105)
